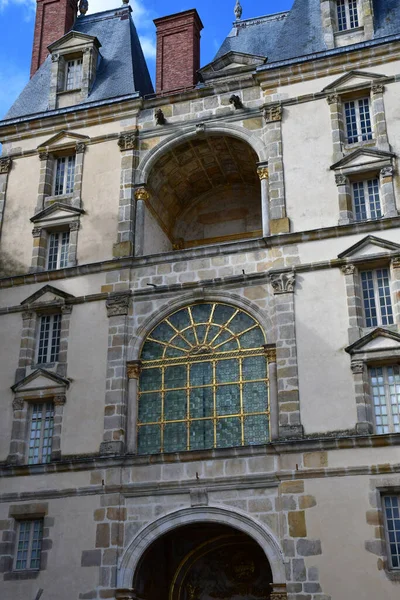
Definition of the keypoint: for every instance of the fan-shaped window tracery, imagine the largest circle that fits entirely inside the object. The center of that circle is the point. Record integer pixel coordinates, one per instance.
(203, 382)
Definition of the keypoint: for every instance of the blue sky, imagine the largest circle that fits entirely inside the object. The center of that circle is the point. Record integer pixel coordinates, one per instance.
(17, 18)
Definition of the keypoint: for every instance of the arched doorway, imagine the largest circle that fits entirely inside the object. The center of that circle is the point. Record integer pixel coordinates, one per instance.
(204, 561)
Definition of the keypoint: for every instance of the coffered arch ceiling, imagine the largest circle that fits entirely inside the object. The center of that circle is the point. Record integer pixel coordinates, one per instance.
(203, 182)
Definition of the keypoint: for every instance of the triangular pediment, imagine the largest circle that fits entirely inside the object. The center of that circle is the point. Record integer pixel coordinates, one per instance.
(72, 39)
(353, 79)
(370, 246)
(57, 212)
(363, 157)
(41, 379)
(63, 138)
(47, 295)
(378, 340)
(231, 62)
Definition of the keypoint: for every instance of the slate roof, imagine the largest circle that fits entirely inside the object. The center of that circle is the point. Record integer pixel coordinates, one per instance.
(298, 32)
(122, 69)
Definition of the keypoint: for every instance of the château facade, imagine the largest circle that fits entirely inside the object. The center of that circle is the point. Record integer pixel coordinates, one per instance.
(200, 309)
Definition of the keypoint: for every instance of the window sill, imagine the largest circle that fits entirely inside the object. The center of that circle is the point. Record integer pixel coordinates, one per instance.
(63, 198)
(349, 31)
(66, 92)
(351, 147)
(21, 575)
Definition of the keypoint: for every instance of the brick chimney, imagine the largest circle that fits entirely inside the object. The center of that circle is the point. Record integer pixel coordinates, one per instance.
(178, 51)
(54, 18)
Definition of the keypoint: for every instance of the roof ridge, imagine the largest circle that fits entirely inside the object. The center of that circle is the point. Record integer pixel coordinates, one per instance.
(102, 16)
(262, 19)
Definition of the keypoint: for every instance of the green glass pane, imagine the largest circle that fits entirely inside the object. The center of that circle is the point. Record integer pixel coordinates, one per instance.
(256, 430)
(180, 319)
(188, 334)
(229, 346)
(162, 332)
(149, 439)
(152, 351)
(149, 408)
(254, 367)
(212, 332)
(175, 405)
(175, 437)
(201, 331)
(255, 397)
(201, 313)
(201, 435)
(174, 353)
(175, 377)
(228, 400)
(227, 371)
(200, 373)
(222, 313)
(224, 336)
(229, 433)
(252, 339)
(150, 379)
(201, 403)
(241, 322)
(180, 342)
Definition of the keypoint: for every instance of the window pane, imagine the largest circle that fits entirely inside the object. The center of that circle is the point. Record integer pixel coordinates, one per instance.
(60, 174)
(353, 14)
(341, 15)
(53, 251)
(365, 119)
(74, 74)
(385, 392)
(375, 211)
(201, 435)
(392, 510)
(256, 429)
(351, 122)
(23, 545)
(44, 336)
(149, 439)
(175, 437)
(229, 433)
(64, 249)
(69, 180)
(385, 301)
(228, 400)
(41, 433)
(55, 338)
(367, 282)
(360, 209)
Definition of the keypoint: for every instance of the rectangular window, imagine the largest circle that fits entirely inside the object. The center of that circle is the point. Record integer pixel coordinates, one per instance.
(358, 120)
(49, 339)
(347, 14)
(391, 506)
(64, 176)
(58, 250)
(30, 535)
(74, 74)
(385, 392)
(41, 433)
(366, 200)
(377, 301)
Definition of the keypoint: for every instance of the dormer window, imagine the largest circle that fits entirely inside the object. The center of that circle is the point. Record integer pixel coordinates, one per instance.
(73, 79)
(347, 14)
(366, 199)
(64, 175)
(358, 120)
(58, 250)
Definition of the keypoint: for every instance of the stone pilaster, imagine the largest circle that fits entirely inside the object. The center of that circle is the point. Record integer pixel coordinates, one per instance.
(39, 250)
(263, 173)
(287, 371)
(80, 148)
(337, 126)
(18, 432)
(378, 117)
(58, 402)
(354, 301)
(27, 345)
(345, 201)
(126, 217)
(367, 18)
(328, 17)
(141, 196)
(45, 179)
(5, 167)
(115, 415)
(395, 288)
(62, 365)
(270, 351)
(279, 223)
(133, 371)
(73, 243)
(364, 424)
(387, 195)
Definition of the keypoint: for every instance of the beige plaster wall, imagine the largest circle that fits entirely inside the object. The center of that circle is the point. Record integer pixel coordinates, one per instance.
(155, 239)
(10, 339)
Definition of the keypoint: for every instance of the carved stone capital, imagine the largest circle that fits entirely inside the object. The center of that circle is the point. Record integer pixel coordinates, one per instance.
(74, 226)
(55, 57)
(340, 179)
(88, 49)
(59, 400)
(80, 147)
(18, 404)
(273, 113)
(396, 262)
(27, 314)
(387, 171)
(270, 352)
(377, 88)
(142, 194)
(66, 309)
(178, 244)
(263, 173)
(117, 304)
(127, 140)
(5, 165)
(44, 156)
(134, 369)
(348, 269)
(357, 367)
(37, 232)
(283, 283)
(333, 99)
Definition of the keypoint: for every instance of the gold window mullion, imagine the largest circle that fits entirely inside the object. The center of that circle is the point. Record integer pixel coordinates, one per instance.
(188, 421)
(214, 388)
(242, 417)
(162, 408)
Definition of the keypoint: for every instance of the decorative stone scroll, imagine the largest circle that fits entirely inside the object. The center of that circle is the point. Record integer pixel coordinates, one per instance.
(263, 173)
(387, 171)
(340, 179)
(134, 369)
(273, 113)
(142, 194)
(333, 99)
(357, 367)
(5, 165)
(283, 283)
(80, 147)
(118, 304)
(348, 269)
(377, 88)
(18, 404)
(127, 140)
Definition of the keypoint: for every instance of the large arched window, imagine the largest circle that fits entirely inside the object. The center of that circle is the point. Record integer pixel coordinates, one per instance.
(203, 382)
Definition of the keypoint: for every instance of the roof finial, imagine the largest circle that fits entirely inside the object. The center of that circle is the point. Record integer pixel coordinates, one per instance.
(238, 10)
(83, 6)
(125, 1)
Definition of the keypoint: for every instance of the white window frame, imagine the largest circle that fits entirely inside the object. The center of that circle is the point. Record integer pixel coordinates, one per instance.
(41, 429)
(380, 317)
(48, 346)
(385, 397)
(391, 509)
(29, 541)
(73, 74)
(370, 199)
(349, 6)
(360, 137)
(64, 176)
(57, 249)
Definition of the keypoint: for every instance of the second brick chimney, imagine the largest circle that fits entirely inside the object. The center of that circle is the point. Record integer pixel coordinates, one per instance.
(178, 51)
(54, 18)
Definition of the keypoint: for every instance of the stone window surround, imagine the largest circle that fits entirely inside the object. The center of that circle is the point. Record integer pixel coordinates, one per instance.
(336, 98)
(9, 527)
(40, 243)
(330, 24)
(5, 168)
(344, 177)
(379, 546)
(351, 270)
